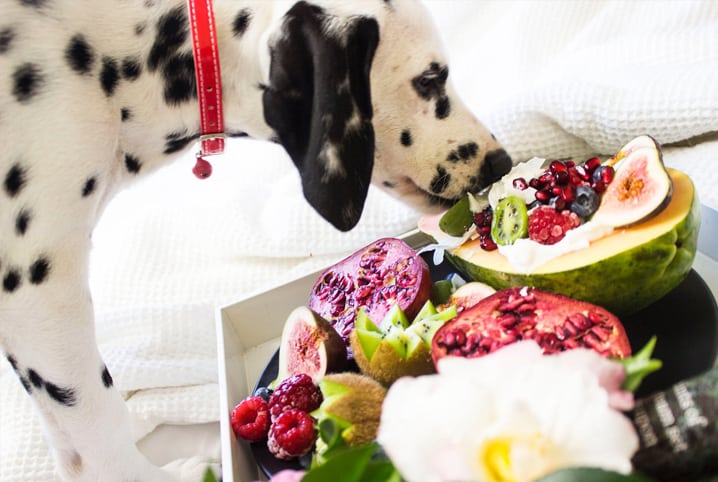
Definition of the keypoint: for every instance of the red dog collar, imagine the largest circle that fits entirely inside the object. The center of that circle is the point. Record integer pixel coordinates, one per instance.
(209, 84)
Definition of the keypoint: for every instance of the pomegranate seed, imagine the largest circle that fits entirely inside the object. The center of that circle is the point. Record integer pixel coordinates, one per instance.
(557, 166)
(599, 186)
(520, 184)
(561, 178)
(592, 164)
(536, 183)
(568, 193)
(543, 196)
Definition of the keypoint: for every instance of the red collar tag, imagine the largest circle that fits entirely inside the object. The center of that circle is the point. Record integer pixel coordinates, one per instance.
(209, 84)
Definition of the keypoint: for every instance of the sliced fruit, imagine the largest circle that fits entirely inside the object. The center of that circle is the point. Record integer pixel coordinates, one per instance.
(376, 277)
(510, 221)
(469, 294)
(309, 344)
(396, 347)
(556, 322)
(641, 186)
(624, 271)
(350, 412)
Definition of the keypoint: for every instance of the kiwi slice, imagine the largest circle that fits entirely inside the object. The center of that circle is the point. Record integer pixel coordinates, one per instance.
(510, 221)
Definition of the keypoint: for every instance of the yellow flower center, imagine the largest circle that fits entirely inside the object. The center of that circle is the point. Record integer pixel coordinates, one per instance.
(517, 458)
(497, 460)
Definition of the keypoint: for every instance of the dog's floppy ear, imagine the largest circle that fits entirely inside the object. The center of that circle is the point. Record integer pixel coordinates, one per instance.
(318, 101)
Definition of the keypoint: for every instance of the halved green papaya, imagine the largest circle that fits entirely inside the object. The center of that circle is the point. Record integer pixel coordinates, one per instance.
(624, 272)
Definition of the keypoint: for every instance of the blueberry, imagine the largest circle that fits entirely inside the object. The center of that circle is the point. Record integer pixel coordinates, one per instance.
(263, 392)
(586, 202)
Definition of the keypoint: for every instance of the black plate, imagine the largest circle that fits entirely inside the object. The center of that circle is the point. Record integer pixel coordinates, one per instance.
(685, 322)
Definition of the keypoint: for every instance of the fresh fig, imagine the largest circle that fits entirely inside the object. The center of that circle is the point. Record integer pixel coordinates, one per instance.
(399, 348)
(467, 295)
(376, 277)
(555, 322)
(309, 344)
(641, 186)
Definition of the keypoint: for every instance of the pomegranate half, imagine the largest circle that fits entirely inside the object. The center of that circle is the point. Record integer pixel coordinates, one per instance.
(555, 322)
(376, 277)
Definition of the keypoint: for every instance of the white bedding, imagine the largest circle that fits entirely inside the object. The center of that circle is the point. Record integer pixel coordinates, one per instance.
(551, 78)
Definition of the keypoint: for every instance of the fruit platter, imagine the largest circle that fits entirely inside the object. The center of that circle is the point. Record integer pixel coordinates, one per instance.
(306, 367)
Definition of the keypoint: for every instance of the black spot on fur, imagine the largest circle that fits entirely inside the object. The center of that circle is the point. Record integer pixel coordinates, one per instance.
(125, 114)
(241, 22)
(443, 107)
(25, 384)
(39, 270)
(6, 36)
(131, 68)
(440, 181)
(237, 134)
(109, 75)
(33, 3)
(79, 54)
(89, 187)
(180, 80)
(107, 378)
(11, 281)
(35, 378)
(468, 151)
(132, 163)
(64, 396)
(140, 28)
(15, 180)
(171, 33)
(22, 221)
(12, 361)
(27, 80)
(389, 184)
(176, 141)
(405, 138)
(465, 152)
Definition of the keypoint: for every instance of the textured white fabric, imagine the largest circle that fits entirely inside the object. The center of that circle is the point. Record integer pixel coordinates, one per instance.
(553, 79)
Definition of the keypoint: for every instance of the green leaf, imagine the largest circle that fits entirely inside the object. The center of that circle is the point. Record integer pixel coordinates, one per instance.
(639, 365)
(441, 291)
(347, 465)
(209, 476)
(458, 219)
(586, 474)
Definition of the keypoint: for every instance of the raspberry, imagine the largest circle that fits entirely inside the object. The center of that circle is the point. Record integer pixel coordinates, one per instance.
(250, 419)
(298, 391)
(292, 434)
(548, 226)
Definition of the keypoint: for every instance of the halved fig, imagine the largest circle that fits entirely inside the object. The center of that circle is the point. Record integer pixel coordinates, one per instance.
(376, 277)
(310, 345)
(555, 322)
(641, 186)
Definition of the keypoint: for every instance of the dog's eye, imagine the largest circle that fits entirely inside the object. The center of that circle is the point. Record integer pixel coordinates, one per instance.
(431, 82)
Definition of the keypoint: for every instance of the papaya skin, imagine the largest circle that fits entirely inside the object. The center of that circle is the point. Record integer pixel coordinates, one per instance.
(621, 280)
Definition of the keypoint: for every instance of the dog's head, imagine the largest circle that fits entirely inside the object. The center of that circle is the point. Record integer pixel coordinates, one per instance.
(365, 96)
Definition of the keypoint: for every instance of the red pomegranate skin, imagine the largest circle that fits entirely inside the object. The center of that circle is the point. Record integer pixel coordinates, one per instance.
(379, 275)
(556, 322)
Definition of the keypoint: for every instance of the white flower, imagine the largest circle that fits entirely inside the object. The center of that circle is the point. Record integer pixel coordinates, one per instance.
(512, 416)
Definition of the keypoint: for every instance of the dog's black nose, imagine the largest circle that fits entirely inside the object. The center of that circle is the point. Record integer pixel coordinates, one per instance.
(496, 164)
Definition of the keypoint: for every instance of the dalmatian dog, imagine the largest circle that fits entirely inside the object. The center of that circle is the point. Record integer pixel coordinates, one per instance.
(94, 94)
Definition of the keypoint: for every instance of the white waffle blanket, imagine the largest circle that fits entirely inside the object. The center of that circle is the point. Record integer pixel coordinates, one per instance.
(552, 79)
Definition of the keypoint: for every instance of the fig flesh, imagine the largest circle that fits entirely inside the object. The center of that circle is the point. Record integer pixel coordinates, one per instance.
(309, 344)
(641, 187)
(555, 322)
(376, 277)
